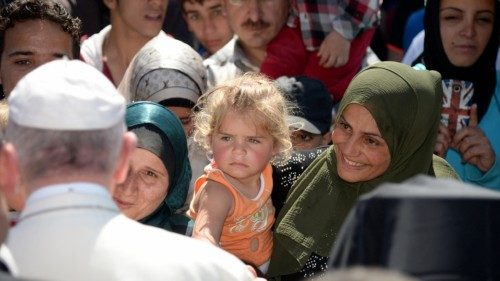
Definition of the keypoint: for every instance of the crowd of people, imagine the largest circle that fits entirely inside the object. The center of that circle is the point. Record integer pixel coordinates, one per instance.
(128, 154)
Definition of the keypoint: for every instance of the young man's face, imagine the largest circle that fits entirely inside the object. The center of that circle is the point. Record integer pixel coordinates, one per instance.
(28, 45)
(142, 17)
(208, 22)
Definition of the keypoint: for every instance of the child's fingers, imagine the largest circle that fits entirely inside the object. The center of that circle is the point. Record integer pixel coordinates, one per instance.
(323, 59)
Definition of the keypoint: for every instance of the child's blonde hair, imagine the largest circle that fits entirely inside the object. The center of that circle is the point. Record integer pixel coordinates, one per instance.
(251, 94)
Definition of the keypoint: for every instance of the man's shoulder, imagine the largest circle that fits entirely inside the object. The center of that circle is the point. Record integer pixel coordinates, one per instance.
(225, 64)
(126, 246)
(224, 55)
(182, 254)
(91, 49)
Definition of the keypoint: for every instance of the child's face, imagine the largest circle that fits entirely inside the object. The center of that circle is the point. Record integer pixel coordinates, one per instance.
(241, 149)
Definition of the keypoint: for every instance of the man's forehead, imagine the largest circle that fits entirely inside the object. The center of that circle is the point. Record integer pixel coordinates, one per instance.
(37, 37)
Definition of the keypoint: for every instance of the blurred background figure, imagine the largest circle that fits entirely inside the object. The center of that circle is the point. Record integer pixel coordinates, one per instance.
(255, 24)
(158, 178)
(132, 24)
(33, 32)
(462, 43)
(452, 236)
(206, 19)
(311, 121)
(325, 40)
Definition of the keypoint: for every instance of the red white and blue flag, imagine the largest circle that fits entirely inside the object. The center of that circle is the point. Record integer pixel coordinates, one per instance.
(457, 99)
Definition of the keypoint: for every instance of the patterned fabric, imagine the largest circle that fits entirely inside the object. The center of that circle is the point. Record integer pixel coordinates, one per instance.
(156, 86)
(317, 18)
(165, 68)
(456, 104)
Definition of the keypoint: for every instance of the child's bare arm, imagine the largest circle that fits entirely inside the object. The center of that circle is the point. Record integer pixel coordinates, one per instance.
(214, 205)
(334, 50)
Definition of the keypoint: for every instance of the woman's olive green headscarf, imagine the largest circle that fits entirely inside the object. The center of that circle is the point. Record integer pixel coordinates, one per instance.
(160, 132)
(405, 104)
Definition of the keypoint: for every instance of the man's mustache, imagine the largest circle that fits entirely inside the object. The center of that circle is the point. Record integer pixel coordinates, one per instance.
(256, 24)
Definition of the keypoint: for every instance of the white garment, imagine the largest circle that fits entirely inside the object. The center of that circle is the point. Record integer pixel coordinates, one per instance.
(67, 233)
(228, 63)
(8, 260)
(91, 49)
(417, 48)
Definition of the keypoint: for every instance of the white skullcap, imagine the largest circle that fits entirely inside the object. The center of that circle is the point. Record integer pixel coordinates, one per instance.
(66, 95)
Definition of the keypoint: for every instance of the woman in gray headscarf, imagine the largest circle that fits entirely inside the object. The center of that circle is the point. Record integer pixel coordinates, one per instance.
(171, 73)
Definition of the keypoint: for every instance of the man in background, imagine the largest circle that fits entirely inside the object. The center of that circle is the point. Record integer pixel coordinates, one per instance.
(207, 20)
(33, 32)
(133, 24)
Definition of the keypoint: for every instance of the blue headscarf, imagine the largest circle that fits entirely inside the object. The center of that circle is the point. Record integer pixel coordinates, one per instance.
(159, 131)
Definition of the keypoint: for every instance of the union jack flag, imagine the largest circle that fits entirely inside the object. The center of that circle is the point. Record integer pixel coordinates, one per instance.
(455, 113)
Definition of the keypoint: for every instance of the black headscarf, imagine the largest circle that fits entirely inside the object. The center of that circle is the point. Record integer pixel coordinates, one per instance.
(482, 73)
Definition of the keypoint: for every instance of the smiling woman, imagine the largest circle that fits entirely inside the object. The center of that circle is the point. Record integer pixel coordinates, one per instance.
(384, 132)
(158, 177)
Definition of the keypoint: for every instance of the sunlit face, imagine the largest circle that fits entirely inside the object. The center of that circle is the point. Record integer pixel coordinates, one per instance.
(302, 140)
(209, 24)
(256, 22)
(29, 44)
(362, 154)
(466, 27)
(185, 115)
(241, 149)
(142, 17)
(145, 188)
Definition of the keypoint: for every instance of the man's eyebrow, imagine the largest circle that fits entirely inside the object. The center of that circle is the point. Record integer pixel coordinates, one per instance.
(20, 53)
(214, 7)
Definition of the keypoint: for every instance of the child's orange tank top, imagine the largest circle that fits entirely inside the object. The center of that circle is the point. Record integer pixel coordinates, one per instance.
(247, 230)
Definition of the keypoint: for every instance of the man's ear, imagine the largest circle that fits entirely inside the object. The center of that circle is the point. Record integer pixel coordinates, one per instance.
(111, 4)
(129, 143)
(9, 177)
(326, 138)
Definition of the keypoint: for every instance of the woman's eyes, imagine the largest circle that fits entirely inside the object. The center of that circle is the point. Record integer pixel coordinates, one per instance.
(487, 20)
(449, 17)
(371, 141)
(151, 174)
(343, 125)
(458, 17)
(148, 176)
(225, 138)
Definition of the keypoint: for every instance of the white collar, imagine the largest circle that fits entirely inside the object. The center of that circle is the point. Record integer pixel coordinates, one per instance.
(77, 187)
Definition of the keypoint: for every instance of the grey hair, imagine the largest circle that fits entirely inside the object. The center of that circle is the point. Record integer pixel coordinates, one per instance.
(47, 152)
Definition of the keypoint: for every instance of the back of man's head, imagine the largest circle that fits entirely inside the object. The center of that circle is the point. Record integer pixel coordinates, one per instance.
(54, 11)
(66, 120)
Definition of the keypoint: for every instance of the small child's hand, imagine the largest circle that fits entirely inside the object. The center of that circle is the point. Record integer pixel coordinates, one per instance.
(334, 51)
